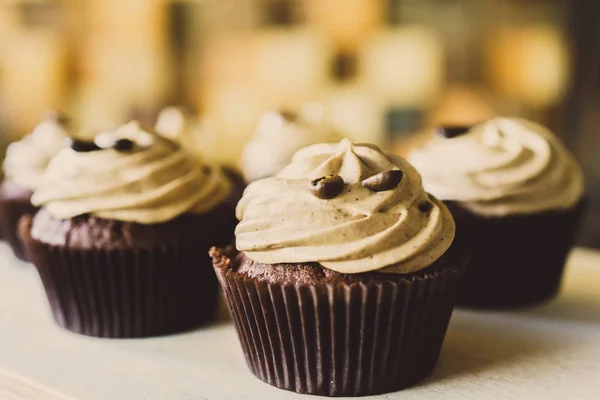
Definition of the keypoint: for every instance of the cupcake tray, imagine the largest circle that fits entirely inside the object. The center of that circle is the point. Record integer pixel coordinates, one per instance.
(546, 352)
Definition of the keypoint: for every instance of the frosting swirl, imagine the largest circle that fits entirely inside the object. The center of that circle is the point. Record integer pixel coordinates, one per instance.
(27, 159)
(154, 181)
(501, 167)
(280, 135)
(356, 231)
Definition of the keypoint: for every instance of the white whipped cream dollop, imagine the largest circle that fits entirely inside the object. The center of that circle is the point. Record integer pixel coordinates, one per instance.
(279, 135)
(27, 159)
(190, 131)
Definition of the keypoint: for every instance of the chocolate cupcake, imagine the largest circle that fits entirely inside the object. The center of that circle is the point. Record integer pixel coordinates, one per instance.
(24, 165)
(343, 281)
(119, 240)
(516, 195)
(279, 135)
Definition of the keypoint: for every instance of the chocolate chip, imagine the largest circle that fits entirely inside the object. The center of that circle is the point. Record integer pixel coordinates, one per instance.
(327, 187)
(452, 131)
(123, 145)
(425, 207)
(83, 146)
(288, 115)
(385, 180)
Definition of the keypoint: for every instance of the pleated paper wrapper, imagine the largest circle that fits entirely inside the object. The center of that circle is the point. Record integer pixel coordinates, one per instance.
(11, 210)
(516, 260)
(341, 339)
(126, 293)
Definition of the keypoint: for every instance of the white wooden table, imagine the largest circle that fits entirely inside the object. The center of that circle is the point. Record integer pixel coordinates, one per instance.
(548, 352)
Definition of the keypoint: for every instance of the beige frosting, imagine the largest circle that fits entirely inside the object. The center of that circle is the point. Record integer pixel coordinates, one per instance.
(501, 167)
(155, 182)
(358, 230)
(27, 159)
(278, 137)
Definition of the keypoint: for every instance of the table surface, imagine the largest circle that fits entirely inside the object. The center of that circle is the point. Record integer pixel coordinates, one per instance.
(547, 352)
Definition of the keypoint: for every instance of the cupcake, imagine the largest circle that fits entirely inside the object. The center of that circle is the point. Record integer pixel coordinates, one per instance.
(344, 278)
(120, 239)
(194, 135)
(24, 165)
(279, 135)
(516, 194)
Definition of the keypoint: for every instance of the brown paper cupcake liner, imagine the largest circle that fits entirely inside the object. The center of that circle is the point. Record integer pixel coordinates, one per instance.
(126, 293)
(11, 210)
(515, 260)
(340, 339)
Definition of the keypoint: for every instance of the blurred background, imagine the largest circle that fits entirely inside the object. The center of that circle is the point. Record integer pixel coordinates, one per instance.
(383, 70)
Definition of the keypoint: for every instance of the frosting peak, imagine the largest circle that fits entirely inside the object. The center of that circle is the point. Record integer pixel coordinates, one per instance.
(150, 181)
(27, 159)
(279, 135)
(352, 162)
(503, 166)
(399, 230)
(171, 122)
(190, 131)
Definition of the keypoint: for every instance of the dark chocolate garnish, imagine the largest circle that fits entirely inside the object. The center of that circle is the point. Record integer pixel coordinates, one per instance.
(385, 180)
(425, 206)
(288, 115)
(327, 187)
(123, 145)
(83, 146)
(452, 131)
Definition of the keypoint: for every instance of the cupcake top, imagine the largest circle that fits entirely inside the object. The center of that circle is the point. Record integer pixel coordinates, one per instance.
(27, 159)
(179, 125)
(349, 207)
(171, 122)
(129, 175)
(279, 135)
(501, 167)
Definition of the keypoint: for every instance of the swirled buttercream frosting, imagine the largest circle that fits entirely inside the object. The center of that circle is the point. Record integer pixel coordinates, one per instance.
(131, 175)
(27, 159)
(370, 225)
(501, 167)
(279, 135)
